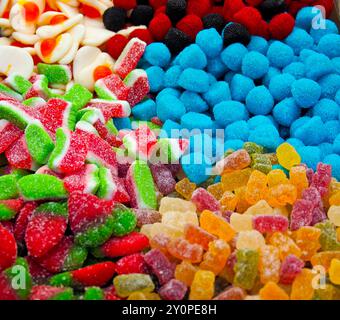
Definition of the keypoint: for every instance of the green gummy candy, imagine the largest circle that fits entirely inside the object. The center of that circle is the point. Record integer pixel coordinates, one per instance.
(39, 143)
(246, 268)
(34, 102)
(126, 284)
(78, 95)
(55, 208)
(252, 147)
(168, 152)
(144, 184)
(41, 186)
(152, 126)
(62, 279)
(8, 187)
(55, 73)
(261, 162)
(94, 293)
(106, 184)
(328, 238)
(9, 92)
(18, 83)
(14, 114)
(75, 259)
(66, 294)
(125, 220)
(6, 213)
(62, 138)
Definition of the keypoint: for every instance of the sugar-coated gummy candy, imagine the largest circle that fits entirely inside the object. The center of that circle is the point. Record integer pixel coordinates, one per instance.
(255, 65)
(202, 287)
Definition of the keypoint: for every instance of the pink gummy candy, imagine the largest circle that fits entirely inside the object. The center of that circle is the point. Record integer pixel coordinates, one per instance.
(290, 268)
(163, 178)
(111, 109)
(9, 133)
(204, 200)
(138, 84)
(173, 290)
(113, 86)
(322, 178)
(82, 180)
(270, 223)
(302, 214)
(18, 155)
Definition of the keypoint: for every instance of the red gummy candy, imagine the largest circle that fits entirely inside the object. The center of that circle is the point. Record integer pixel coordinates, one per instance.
(116, 45)
(111, 109)
(198, 7)
(115, 85)
(14, 205)
(21, 222)
(270, 223)
(190, 25)
(173, 290)
(231, 7)
(142, 34)
(159, 26)
(8, 248)
(322, 178)
(290, 268)
(250, 18)
(125, 4)
(281, 26)
(18, 155)
(80, 180)
(9, 133)
(204, 200)
(157, 3)
(302, 214)
(133, 263)
(163, 178)
(6, 290)
(44, 292)
(37, 272)
(110, 293)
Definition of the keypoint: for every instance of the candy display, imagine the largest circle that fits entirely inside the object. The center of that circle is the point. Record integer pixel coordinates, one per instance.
(169, 150)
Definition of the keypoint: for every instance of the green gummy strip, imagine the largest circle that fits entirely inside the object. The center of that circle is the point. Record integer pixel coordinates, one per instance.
(125, 220)
(104, 186)
(56, 208)
(145, 186)
(9, 92)
(41, 186)
(104, 93)
(61, 142)
(78, 95)
(18, 83)
(8, 187)
(14, 114)
(56, 74)
(111, 127)
(19, 173)
(39, 143)
(75, 258)
(62, 279)
(67, 294)
(33, 102)
(94, 293)
(6, 213)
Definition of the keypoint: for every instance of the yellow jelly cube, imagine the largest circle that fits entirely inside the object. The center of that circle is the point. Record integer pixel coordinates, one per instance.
(229, 201)
(216, 190)
(334, 271)
(261, 207)
(252, 239)
(287, 156)
(236, 179)
(176, 204)
(179, 219)
(334, 215)
(302, 287)
(185, 188)
(202, 287)
(276, 177)
(271, 291)
(241, 222)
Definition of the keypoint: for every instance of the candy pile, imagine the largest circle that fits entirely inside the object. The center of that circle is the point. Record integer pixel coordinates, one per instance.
(264, 92)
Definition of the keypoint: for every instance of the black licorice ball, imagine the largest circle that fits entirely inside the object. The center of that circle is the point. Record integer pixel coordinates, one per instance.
(176, 40)
(114, 18)
(143, 2)
(141, 15)
(213, 20)
(270, 8)
(176, 10)
(235, 32)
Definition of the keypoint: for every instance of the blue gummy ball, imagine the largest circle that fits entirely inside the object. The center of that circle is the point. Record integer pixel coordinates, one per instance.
(318, 65)
(298, 123)
(326, 148)
(259, 101)
(299, 39)
(286, 112)
(296, 143)
(279, 54)
(311, 133)
(227, 112)
(272, 72)
(144, 110)
(296, 69)
(196, 167)
(218, 92)
(194, 80)
(216, 67)
(336, 144)
(157, 54)
(258, 44)
(202, 143)
(280, 86)
(330, 84)
(337, 98)
(156, 78)
(229, 76)
(310, 156)
(193, 102)
(306, 92)
(192, 57)
(329, 28)
(305, 17)
(240, 86)
(266, 136)
(336, 64)
(232, 56)
(238, 130)
(210, 42)
(169, 128)
(170, 91)
(171, 76)
(326, 109)
(257, 121)
(332, 129)
(330, 45)
(334, 161)
(255, 65)
(194, 120)
(169, 107)
(234, 144)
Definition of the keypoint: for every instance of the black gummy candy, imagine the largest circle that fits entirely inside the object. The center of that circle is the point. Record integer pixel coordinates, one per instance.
(114, 18)
(176, 10)
(176, 40)
(270, 8)
(141, 15)
(213, 20)
(235, 32)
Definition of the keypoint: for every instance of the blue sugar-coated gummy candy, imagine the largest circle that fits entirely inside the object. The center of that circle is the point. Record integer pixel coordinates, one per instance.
(212, 79)
(255, 65)
(332, 129)
(330, 84)
(310, 156)
(259, 101)
(194, 120)
(216, 67)
(210, 42)
(256, 121)
(334, 161)
(272, 72)
(156, 78)
(326, 148)
(329, 28)
(218, 92)
(227, 112)
(194, 80)
(280, 86)
(157, 54)
(122, 123)
(169, 107)
(296, 69)
(273, 121)
(296, 143)
(298, 123)
(266, 136)
(233, 144)
(279, 54)
(305, 53)
(329, 45)
(258, 44)
(306, 16)
(318, 65)
(336, 144)
(306, 92)
(202, 143)
(286, 112)
(193, 102)
(327, 110)
(299, 39)
(311, 133)
(169, 129)
(196, 167)
(336, 64)
(168, 91)
(238, 130)
(144, 110)
(192, 57)
(171, 76)
(232, 56)
(337, 98)
(240, 86)
(229, 76)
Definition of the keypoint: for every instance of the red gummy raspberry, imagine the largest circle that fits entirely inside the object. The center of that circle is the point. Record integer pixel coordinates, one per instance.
(190, 25)
(295, 6)
(253, 3)
(142, 34)
(281, 26)
(250, 17)
(8, 248)
(133, 263)
(157, 3)
(116, 45)
(159, 26)
(217, 9)
(231, 7)
(199, 7)
(125, 4)
(263, 30)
